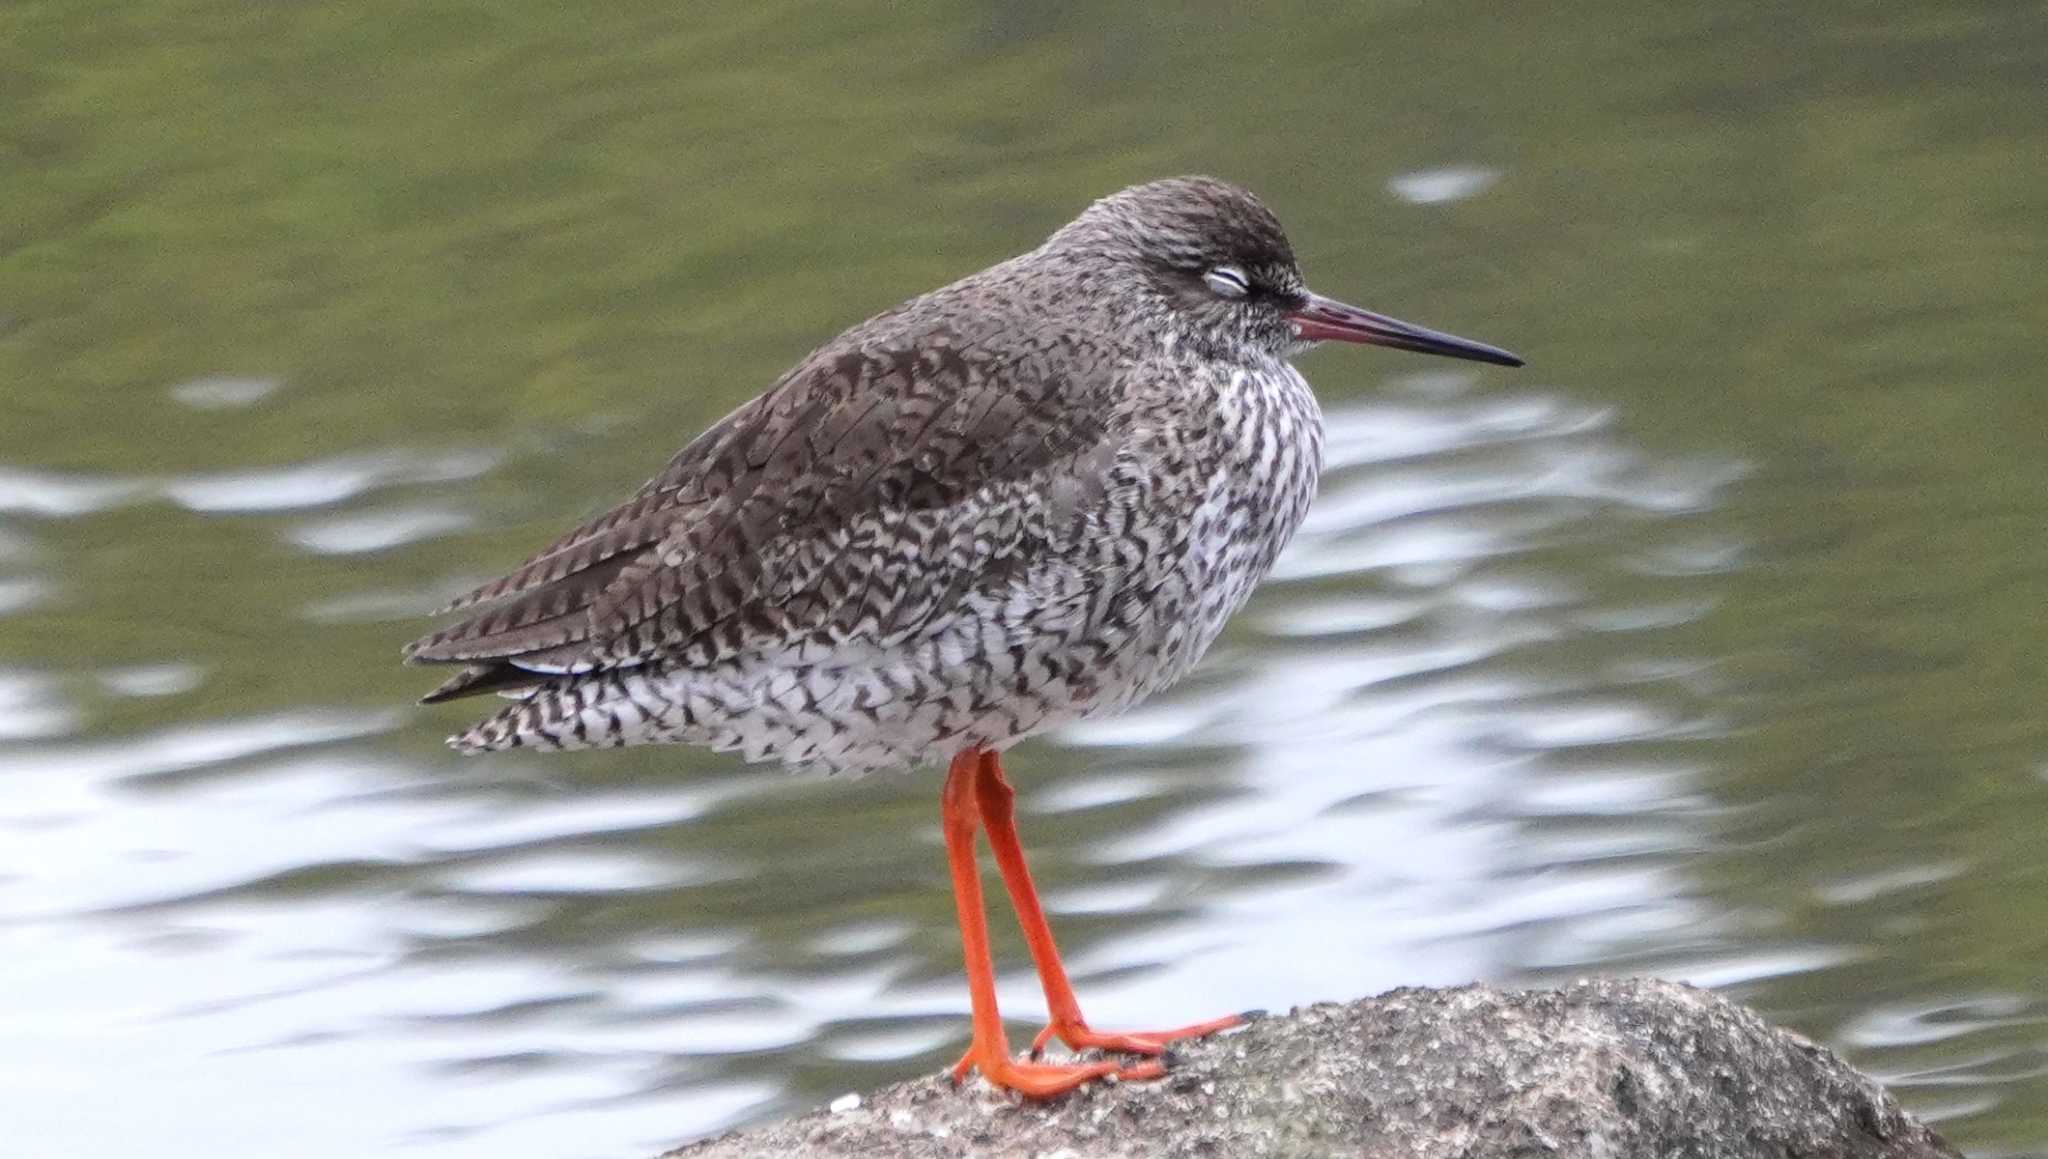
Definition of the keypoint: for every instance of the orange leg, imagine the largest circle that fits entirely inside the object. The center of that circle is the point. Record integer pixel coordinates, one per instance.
(990, 1051)
(997, 802)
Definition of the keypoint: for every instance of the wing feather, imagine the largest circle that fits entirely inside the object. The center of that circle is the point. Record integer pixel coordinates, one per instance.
(772, 521)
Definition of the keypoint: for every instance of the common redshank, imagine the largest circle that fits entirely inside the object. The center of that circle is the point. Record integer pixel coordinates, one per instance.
(1027, 498)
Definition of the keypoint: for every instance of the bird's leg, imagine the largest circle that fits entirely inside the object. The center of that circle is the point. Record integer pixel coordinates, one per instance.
(990, 1050)
(997, 802)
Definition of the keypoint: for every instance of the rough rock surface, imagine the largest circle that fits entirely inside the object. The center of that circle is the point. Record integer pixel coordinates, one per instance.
(1611, 1069)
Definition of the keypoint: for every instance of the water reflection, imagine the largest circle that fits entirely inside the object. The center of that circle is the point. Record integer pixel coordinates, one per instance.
(223, 392)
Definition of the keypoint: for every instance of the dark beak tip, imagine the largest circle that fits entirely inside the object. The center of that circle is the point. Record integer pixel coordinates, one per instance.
(1321, 318)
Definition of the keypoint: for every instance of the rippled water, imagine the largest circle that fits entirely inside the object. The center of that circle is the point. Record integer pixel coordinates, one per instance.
(1706, 647)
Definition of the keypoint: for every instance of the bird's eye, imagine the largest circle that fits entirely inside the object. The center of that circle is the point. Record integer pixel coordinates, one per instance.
(1228, 282)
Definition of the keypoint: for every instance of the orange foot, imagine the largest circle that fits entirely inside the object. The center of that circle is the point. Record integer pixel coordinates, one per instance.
(1040, 1080)
(1078, 1036)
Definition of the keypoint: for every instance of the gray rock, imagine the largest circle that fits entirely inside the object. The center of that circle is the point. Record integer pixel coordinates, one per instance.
(1610, 1069)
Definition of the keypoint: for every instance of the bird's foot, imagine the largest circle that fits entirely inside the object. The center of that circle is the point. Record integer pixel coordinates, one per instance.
(1041, 1080)
(1079, 1036)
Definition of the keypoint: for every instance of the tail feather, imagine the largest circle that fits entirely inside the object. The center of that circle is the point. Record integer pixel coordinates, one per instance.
(478, 679)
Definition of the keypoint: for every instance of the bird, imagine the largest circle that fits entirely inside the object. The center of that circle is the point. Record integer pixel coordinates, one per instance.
(1029, 497)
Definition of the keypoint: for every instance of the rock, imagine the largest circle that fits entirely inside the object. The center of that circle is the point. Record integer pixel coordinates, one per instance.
(1610, 1069)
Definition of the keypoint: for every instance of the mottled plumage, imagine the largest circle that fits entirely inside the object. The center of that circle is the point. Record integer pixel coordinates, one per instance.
(1031, 496)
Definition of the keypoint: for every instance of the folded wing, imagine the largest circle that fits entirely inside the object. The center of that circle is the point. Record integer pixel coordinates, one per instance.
(797, 519)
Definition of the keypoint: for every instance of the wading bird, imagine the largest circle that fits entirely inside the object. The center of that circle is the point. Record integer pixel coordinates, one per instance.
(1030, 497)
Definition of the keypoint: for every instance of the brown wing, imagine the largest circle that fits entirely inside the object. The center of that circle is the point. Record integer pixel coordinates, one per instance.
(768, 527)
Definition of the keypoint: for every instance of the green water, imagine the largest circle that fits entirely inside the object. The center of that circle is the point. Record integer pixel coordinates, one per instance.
(1707, 646)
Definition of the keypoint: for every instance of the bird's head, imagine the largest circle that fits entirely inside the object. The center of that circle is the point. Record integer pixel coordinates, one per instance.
(1214, 260)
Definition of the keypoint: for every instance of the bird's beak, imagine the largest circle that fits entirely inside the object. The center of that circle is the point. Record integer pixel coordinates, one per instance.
(1319, 319)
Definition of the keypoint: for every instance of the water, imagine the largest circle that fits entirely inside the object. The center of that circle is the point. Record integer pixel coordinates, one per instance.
(1706, 647)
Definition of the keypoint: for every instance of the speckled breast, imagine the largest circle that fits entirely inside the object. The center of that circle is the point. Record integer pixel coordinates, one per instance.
(1239, 488)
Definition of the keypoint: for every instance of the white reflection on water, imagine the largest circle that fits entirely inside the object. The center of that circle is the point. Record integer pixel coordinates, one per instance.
(1450, 183)
(30, 706)
(318, 483)
(58, 495)
(224, 392)
(376, 530)
(322, 482)
(20, 594)
(152, 679)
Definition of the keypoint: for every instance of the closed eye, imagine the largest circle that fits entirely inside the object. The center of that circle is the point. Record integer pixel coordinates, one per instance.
(1228, 282)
